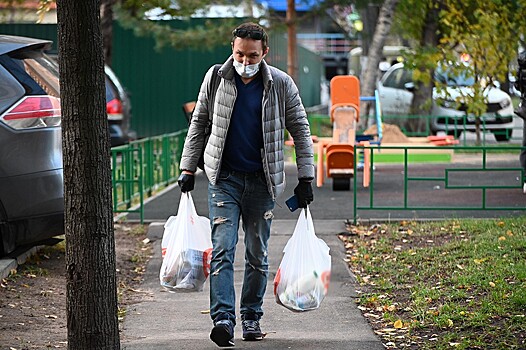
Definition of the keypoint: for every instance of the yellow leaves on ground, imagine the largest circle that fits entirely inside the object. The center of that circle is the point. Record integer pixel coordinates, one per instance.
(398, 324)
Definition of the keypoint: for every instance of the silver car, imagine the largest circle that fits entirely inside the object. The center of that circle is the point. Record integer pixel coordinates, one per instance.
(31, 178)
(395, 92)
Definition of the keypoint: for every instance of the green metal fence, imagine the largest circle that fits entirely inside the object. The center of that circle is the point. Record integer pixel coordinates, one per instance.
(493, 179)
(127, 180)
(143, 167)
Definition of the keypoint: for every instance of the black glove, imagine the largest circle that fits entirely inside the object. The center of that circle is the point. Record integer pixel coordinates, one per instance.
(304, 193)
(186, 182)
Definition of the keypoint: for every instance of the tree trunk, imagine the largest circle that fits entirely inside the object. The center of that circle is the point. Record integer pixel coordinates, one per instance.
(385, 19)
(478, 140)
(423, 93)
(106, 14)
(369, 15)
(91, 298)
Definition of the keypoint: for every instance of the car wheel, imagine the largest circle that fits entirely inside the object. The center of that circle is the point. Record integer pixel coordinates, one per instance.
(502, 135)
(8, 238)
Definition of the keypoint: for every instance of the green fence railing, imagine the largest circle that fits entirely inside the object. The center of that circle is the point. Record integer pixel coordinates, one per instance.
(491, 177)
(127, 180)
(142, 167)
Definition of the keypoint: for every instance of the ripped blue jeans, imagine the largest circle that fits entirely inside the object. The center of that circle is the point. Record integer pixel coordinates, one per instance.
(239, 196)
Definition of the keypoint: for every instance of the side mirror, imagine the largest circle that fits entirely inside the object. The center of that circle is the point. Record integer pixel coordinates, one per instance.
(409, 86)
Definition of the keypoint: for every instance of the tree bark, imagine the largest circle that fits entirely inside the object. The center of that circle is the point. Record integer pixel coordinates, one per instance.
(91, 298)
(385, 20)
(423, 93)
(370, 16)
(106, 13)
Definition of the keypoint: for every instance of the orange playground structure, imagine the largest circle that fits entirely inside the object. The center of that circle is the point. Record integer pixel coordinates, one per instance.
(337, 155)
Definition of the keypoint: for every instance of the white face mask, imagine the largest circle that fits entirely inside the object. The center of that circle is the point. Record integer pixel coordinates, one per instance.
(246, 71)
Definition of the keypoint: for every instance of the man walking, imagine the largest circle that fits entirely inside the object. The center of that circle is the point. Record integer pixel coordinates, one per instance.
(243, 159)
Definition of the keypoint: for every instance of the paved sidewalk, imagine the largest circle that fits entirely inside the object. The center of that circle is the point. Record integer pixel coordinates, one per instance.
(178, 320)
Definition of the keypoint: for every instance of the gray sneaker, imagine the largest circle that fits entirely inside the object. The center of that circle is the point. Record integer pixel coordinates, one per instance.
(251, 330)
(223, 333)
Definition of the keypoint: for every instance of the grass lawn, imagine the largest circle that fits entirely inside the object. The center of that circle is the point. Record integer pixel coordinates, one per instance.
(459, 284)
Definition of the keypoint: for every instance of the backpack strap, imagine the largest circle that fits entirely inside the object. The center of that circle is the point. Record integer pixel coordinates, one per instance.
(212, 88)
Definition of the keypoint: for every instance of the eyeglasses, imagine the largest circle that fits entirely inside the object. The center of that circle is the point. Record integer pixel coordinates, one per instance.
(253, 34)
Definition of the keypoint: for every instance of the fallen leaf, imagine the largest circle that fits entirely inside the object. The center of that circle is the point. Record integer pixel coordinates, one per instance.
(388, 330)
(492, 284)
(398, 324)
(502, 238)
(449, 323)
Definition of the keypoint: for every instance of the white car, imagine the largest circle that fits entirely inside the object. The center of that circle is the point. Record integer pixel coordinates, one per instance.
(395, 92)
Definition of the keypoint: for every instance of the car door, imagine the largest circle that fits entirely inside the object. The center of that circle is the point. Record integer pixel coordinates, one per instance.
(395, 99)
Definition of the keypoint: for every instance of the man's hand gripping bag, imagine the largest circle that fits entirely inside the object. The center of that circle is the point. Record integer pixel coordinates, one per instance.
(186, 249)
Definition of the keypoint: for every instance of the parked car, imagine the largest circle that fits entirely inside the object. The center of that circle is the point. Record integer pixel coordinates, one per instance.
(31, 178)
(395, 92)
(118, 108)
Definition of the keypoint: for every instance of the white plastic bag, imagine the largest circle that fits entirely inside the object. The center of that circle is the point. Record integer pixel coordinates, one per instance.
(186, 249)
(303, 276)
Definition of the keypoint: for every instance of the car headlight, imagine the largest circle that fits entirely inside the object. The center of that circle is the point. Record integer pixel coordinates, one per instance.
(505, 103)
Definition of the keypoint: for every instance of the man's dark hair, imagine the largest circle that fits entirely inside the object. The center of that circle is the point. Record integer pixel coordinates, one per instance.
(248, 29)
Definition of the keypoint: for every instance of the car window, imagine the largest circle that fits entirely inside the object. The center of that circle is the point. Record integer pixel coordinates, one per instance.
(10, 90)
(447, 76)
(42, 73)
(111, 90)
(398, 78)
(17, 68)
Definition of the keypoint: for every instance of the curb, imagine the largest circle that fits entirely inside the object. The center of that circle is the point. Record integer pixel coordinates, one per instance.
(7, 265)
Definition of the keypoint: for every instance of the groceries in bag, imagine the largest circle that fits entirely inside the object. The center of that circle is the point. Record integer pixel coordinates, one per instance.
(303, 277)
(306, 293)
(189, 272)
(186, 249)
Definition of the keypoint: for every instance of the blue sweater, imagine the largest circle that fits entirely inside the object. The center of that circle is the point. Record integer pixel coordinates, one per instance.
(244, 141)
